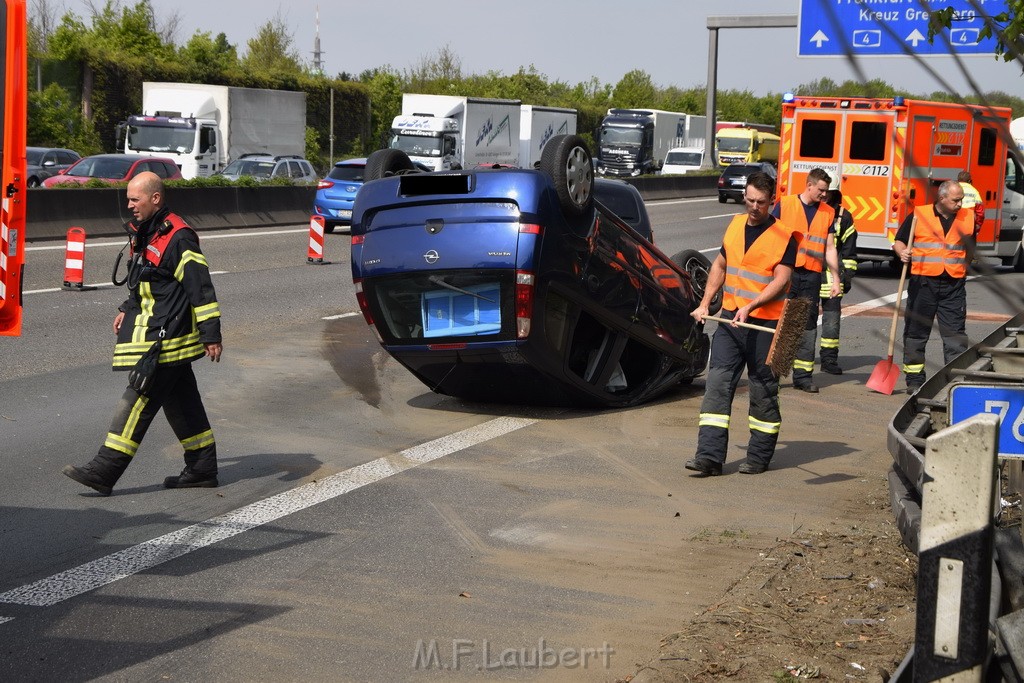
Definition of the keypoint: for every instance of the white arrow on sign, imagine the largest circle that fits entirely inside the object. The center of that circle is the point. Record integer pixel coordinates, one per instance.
(819, 38)
(915, 37)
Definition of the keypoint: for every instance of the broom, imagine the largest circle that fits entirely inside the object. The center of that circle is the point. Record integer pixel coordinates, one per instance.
(785, 337)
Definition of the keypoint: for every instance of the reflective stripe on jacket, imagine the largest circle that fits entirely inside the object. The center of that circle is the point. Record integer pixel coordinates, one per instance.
(748, 273)
(811, 254)
(936, 252)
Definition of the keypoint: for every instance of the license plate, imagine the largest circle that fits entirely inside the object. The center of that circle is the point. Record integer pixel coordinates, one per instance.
(343, 213)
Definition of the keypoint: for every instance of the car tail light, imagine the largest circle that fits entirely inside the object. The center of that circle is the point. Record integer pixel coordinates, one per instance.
(363, 305)
(324, 184)
(357, 239)
(531, 229)
(524, 303)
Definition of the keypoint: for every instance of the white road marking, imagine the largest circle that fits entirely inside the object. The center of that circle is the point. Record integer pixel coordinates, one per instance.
(203, 236)
(340, 315)
(97, 285)
(4, 620)
(663, 202)
(720, 215)
(124, 563)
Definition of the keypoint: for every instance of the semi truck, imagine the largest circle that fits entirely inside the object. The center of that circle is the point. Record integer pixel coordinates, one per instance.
(891, 155)
(633, 142)
(538, 126)
(446, 132)
(741, 145)
(203, 127)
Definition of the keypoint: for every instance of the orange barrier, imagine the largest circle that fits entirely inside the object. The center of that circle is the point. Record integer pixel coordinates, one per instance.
(316, 241)
(74, 259)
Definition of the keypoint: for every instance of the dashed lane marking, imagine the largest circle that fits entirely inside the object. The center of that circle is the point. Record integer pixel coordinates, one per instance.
(124, 563)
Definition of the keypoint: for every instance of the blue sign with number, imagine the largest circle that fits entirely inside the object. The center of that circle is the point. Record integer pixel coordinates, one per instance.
(837, 28)
(968, 400)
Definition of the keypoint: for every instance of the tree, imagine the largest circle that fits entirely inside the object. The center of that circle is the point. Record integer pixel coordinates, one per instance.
(271, 51)
(207, 58)
(634, 90)
(437, 73)
(1007, 27)
(55, 120)
(385, 103)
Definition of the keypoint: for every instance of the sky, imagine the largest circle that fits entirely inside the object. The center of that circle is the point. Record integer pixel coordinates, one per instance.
(573, 40)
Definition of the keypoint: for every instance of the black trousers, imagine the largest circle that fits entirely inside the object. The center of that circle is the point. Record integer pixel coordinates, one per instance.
(806, 284)
(175, 390)
(928, 298)
(734, 349)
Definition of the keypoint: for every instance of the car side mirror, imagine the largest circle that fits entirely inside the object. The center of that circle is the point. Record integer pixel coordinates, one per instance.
(49, 162)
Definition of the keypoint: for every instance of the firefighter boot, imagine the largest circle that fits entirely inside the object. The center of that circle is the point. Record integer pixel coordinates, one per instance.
(830, 361)
(199, 473)
(100, 473)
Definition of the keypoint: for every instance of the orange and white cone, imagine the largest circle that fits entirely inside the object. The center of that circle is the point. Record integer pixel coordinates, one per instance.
(315, 254)
(74, 259)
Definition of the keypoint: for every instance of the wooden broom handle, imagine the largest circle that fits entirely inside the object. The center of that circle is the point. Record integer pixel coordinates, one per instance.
(751, 326)
(899, 291)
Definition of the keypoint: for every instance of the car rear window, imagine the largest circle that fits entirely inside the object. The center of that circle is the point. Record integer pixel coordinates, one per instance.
(351, 173)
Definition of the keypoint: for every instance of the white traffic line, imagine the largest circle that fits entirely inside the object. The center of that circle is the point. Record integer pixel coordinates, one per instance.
(340, 315)
(203, 236)
(125, 563)
(4, 620)
(662, 202)
(98, 285)
(720, 215)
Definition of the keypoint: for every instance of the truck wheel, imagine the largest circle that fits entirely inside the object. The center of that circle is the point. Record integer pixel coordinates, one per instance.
(698, 267)
(567, 160)
(387, 162)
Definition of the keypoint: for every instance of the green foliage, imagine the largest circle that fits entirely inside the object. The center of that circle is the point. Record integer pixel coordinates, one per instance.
(205, 59)
(55, 120)
(1007, 26)
(271, 51)
(635, 90)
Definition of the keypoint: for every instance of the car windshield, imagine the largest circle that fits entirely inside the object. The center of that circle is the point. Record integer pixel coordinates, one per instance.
(683, 158)
(101, 167)
(258, 169)
(34, 157)
(417, 145)
(351, 172)
(612, 135)
(733, 144)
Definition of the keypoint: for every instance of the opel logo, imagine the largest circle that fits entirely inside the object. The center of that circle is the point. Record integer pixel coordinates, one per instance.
(431, 256)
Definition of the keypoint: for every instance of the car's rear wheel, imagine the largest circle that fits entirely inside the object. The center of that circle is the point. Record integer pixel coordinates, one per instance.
(387, 162)
(721, 198)
(33, 182)
(698, 267)
(568, 162)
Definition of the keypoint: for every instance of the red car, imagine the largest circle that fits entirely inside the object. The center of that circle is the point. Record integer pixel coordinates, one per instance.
(114, 168)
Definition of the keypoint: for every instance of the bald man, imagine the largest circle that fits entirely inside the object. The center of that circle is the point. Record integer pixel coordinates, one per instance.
(172, 308)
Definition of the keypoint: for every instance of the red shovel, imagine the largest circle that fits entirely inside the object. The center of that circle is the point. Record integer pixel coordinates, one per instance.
(883, 378)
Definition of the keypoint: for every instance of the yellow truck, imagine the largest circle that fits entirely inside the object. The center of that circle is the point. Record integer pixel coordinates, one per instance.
(746, 146)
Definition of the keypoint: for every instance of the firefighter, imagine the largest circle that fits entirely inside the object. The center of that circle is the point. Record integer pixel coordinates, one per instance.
(943, 246)
(972, 200)
(808, 213)
(754, 266)
(846, 245)
(170, 298)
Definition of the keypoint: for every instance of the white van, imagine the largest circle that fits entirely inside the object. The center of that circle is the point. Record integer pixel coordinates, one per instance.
(679, 160)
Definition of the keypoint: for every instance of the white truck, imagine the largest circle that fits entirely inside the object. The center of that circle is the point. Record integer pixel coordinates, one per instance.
(634, 142)
(203, 127)
(448, 132)
(540, 124)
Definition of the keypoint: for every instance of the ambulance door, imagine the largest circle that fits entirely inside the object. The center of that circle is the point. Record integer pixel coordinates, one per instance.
(918, 188)
(987, 165)
(13, 72)
(816, 136)
(866, 178)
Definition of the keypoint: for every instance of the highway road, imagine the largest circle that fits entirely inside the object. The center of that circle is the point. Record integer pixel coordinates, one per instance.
(369, 530)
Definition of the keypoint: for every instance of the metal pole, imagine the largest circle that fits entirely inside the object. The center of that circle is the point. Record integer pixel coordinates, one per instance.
(330, 135)
(712, 101)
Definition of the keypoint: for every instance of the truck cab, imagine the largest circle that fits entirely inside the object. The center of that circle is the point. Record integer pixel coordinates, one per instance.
(429, 140)
(193, 144)
(626, 144)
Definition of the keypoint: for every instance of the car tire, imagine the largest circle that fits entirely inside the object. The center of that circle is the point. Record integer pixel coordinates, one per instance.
(722, 198)
(567, 160)
(328, 228)
(698, 267)
(387, 162)
(1018, 260)
(33, 182)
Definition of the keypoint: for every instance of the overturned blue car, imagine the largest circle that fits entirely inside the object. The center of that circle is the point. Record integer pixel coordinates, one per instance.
(525, 286)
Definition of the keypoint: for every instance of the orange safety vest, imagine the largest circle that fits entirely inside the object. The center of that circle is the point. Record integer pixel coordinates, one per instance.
(812, 249)
(936, 251)
(748, 273)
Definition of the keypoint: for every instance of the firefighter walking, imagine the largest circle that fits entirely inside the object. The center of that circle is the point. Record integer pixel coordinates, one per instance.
(831, 306)
(943, 246)
(171, 299)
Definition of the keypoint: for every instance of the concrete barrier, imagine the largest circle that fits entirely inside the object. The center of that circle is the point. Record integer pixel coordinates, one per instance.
(104, 211)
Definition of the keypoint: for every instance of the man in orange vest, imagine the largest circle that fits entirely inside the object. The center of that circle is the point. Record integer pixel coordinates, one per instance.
(753, 266)
(943, 246)
(808, 213)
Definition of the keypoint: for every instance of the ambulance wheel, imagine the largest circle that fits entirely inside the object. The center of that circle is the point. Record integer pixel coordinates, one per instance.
(697, 266)
(387, 162)
(566, 159)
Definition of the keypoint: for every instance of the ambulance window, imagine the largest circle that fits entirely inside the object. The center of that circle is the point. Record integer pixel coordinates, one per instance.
(818, 139)
(867, 140)
(987, 148)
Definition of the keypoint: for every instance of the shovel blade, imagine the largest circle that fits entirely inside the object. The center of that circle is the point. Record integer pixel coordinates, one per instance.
(883, 378)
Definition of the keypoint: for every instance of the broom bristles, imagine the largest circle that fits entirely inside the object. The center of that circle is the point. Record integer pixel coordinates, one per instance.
(786, 340)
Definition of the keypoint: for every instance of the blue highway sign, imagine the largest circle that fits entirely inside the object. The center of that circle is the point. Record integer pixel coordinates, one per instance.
(870, 28)
(968, 400)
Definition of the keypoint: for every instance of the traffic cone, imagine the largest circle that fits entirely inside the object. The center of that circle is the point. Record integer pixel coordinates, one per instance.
(316, 241)
(74, 260)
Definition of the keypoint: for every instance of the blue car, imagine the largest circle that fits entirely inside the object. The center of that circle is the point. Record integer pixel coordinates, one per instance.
(522, 285)
(336, 193)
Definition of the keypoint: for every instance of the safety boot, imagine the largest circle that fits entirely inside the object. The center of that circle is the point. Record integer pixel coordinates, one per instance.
(830, 362)
(191, 479)
(100, 473)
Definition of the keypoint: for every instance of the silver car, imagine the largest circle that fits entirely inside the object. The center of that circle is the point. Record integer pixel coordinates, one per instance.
(263, 167)
(45, 162)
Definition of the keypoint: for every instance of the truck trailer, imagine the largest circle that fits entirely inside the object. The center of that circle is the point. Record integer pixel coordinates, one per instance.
(892, 154)
(445, 132)
(540, 124)
(633, 142)
(203, 127)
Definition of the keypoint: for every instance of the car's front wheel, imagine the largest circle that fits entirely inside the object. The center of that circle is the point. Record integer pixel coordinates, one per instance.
(33, 182)
(567, 160)
(697, 266)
